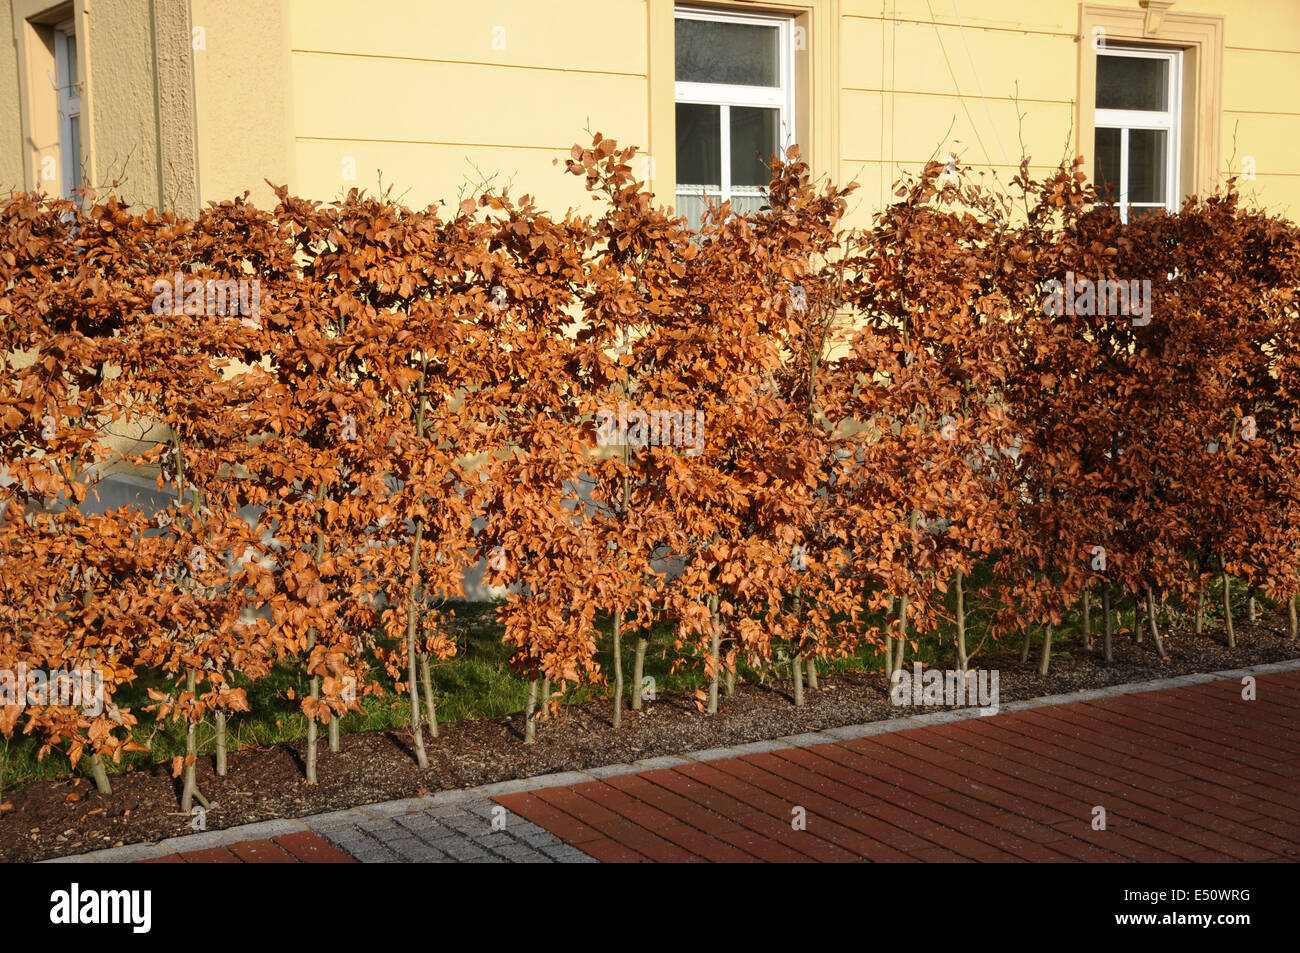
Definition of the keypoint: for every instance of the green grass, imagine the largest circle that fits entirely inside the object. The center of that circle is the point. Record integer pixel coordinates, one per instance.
(478, 683)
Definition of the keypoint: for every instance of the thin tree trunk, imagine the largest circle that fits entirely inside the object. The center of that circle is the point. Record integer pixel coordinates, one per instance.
(638, 672)
(1045, 657)
(1107, 647)
(1151, 617)
(715, 650)
(312, 725)
(902, 614)
(412, 669)
(889, 645)
(530, 723)
(902, 634)
(334, 731)
(412, 672)
(544, 699)
(1227, 610)
(1086, 634)
(221, 744)
(618, 668)
(430, 705)
(811, 665)
(730, 677)
(1250, 605)
(796, 663)
(100, 775)
(1024, 644)
(1292, 627)
(963, 661)
(1200, 608)
(190, 788)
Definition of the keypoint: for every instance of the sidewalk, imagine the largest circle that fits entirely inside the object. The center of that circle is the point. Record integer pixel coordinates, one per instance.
(1183, 768)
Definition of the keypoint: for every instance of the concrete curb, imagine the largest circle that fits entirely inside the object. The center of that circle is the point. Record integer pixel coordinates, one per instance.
(477, 800)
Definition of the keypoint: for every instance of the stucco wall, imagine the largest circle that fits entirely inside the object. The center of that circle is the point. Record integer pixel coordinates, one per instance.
(243, 98)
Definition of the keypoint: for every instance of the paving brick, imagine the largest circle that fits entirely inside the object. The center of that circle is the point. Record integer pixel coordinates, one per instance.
(212, 855)
(414, 850)
(262, 851)
(312, 849)
(522, 854)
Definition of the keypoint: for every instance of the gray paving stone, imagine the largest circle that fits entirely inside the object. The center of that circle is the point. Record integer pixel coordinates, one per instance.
(373, 853)
(201, 841)
(469, 824)
(887, 727)
(503, 787)
(612, 771)
(378, 826)
(265, 829)
(712, 754)
(73, 859)
(661, 762)
(333, 818)
(807, 739)
(567, 853)
(414, 850)
(460, 848)
(847, 732)
(539, 837)
(126, 854)
(444, 798)
(424, 826)
(347, 838)
(390, 808)
(522, 853)
(442, 811)
(948, 717)
(560, 779)
(762, 747)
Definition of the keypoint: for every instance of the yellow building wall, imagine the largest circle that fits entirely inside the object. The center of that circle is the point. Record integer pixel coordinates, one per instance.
(912, 75)
(435, 96)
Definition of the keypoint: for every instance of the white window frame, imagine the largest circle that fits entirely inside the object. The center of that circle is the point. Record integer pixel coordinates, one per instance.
(1126, 120)
(725, 96)
(65, 45)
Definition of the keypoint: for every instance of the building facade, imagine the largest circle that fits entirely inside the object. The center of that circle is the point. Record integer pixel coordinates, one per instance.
(175, 103)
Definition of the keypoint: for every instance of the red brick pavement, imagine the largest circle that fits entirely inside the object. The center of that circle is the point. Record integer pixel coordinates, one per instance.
(298, 848)
(1194, 773)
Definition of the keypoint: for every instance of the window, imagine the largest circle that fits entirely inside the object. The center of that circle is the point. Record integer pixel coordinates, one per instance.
(1136, 142)
(735, 107)
(69, 88)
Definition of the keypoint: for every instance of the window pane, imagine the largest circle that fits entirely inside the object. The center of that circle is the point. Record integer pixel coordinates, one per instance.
(754, 140)
(1105, 159)
(1140, 211)
(747, 202)
(699, 145)
(74, 153)
(1147, 165)
(1131, 82)
(72, 63)
(694, 204)
(739, 54)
